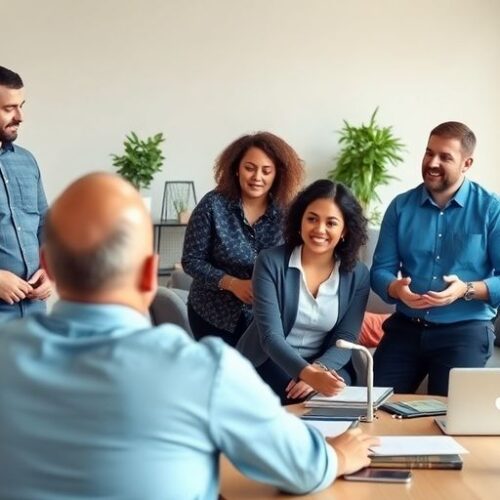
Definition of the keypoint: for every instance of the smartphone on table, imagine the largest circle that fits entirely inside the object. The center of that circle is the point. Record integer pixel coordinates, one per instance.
(380, 475)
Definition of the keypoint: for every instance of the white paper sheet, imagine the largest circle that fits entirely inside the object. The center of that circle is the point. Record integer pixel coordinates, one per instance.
(418, 445)
(330, 428)
(350, 394)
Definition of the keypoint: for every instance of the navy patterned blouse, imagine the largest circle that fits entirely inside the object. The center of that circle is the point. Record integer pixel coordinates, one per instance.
(220, 241)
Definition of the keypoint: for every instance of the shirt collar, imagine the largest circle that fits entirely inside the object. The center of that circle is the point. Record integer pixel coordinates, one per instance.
(460, 197)
(295, 258)
(99, 319)
(9, 146)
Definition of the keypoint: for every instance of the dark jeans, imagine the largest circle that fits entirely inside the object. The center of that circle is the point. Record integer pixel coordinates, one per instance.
(274, 376)
(9, 312)
(409, 351)
(202, 328)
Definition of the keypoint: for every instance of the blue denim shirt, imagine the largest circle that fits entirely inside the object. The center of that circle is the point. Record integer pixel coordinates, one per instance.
(220, 241)
(96, 403)
(426, 243)
(22, 210)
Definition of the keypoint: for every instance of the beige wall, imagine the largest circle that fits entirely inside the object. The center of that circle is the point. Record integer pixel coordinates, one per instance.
(204, 72)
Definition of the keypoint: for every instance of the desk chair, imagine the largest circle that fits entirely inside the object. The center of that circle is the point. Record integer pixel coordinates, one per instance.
(169, 306)
(180, 280)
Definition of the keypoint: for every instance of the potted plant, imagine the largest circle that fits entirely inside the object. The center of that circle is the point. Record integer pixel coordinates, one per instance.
(364, 160)
(140, 161)
(181, 195)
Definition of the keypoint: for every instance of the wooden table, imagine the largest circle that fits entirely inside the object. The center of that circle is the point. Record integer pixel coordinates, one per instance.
(479, 479)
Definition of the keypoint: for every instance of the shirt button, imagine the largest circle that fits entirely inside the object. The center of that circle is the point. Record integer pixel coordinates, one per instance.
(437, 258)
(440, 235)
(18, 228)
(441, 213)
(427, 312)
(6, 181)
(434, 278)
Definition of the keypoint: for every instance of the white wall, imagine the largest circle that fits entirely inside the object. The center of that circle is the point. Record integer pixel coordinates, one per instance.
(204, 72)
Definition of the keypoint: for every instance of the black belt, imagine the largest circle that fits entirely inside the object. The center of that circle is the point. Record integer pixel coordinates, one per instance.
(428, 324)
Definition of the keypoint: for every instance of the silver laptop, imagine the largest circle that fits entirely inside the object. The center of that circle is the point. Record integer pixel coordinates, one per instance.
(473, 402)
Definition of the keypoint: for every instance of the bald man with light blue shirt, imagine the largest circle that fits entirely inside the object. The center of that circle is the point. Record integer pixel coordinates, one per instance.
(97, 403)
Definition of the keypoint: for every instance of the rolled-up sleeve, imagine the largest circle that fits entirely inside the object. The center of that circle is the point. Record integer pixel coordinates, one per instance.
(386, 259)
(260, 438)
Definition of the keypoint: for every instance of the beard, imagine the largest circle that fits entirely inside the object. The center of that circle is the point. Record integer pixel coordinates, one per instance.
(7, 136)
(436, 184)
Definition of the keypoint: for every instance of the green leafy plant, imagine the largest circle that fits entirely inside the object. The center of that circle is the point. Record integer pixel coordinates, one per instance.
(181, 195)
(180, 206)
(141, 160)
(364, 160)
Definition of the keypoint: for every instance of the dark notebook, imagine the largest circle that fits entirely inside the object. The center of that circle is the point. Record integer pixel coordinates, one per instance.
(417, 462)
(418, 408)
(328, 413)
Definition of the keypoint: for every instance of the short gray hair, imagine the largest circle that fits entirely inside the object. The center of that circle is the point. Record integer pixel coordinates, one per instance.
(89, 270)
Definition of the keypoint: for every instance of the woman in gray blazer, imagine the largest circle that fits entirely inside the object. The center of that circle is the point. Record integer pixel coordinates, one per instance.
(309, 293)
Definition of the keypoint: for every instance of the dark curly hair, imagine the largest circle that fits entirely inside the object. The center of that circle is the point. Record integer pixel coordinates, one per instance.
(289, 167)
(355, 222)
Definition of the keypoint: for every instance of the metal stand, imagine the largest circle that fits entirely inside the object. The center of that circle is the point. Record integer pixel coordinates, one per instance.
(178, 197)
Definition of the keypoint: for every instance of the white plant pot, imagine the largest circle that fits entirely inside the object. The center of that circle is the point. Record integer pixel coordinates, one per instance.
(184, 217)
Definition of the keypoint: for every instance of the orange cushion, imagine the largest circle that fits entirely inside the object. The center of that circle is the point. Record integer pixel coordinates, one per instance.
(371, 329)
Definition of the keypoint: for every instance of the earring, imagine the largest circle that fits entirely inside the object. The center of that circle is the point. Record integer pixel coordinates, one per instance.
(342, 239)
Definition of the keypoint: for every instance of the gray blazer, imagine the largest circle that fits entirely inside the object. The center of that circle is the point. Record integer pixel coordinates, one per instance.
(276, 296)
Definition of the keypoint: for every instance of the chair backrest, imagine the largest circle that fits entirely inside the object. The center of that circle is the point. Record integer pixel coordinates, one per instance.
(169, 306)
(179, 279)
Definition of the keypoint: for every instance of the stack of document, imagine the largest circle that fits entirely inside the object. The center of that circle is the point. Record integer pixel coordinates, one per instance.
(418, 452)
(350, 397)
(452, 461)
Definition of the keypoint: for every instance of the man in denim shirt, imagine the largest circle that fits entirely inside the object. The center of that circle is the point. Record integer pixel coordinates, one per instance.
(23, 285)
(438, 260)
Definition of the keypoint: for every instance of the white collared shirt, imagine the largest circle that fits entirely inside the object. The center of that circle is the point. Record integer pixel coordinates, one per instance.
(316, 316)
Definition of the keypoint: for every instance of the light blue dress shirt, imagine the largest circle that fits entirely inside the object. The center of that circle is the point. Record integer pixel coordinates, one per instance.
(96, 403)
(426, 243)
(22, 211)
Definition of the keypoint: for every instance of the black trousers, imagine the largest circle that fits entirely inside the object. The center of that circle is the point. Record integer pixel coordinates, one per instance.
(409, 351)
(202, 328)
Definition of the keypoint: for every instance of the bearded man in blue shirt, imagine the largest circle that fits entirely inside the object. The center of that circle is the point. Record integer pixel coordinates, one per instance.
(97, 403)
(23, 285)
(438, 260)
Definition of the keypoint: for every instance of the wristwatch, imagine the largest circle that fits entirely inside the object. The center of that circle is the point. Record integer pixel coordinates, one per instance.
(469, 292)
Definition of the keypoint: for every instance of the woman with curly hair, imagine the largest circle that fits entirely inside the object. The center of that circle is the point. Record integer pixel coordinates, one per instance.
(308, 293)
(257, 176)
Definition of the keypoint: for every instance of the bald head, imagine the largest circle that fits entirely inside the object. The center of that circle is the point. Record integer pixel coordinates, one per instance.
(98, 236)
